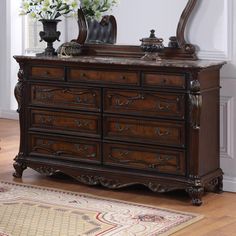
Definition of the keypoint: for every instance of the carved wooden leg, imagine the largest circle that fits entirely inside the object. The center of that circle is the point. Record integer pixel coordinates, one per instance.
(19, 168)
(219, 185)
(196, 195)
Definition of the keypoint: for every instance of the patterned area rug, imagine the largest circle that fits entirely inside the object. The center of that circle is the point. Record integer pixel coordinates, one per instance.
(34, 211)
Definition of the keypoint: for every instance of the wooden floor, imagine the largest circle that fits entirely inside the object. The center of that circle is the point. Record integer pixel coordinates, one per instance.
(219, 210)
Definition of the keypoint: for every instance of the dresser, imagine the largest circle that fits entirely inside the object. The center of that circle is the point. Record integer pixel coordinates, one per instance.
(121, 121)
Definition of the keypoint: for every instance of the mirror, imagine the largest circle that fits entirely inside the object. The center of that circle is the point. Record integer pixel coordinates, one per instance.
(161, 15)
(167, 17)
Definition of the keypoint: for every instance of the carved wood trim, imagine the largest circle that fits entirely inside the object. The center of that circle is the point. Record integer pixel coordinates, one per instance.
(186, 51)
(182, 25)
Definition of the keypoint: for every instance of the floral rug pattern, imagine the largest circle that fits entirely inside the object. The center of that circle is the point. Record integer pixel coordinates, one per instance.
(26, 210)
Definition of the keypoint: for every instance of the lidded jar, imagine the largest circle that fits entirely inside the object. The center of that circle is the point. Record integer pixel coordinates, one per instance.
(152, 46)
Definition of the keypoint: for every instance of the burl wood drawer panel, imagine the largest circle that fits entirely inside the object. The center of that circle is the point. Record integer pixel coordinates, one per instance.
(135, 157)
(47, 73)
(64, 148)
(164, 80)
(68, 123)
(116, 77)
(82, 98)
(144, 103)
(144, 131)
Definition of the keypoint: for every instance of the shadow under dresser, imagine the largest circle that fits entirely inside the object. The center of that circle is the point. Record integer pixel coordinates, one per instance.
(118, 122)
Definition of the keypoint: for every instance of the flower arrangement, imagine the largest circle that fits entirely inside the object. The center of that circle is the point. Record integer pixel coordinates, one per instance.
(52, 9)
(49, 9)
(94, 9)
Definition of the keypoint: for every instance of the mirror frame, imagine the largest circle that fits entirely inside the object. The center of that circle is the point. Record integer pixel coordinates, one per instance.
(185, 50)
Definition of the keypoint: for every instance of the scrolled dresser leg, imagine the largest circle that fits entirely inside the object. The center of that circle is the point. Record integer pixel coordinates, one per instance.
(19, 168)
(196, 194)
(219, 185)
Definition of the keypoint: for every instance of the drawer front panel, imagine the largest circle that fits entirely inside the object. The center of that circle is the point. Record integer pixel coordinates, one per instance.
(63, 148)
(144, 103)
(63, 97)
(145, 131)
(164, 80)
(135, 157)
(44, 73)
(71, 123)
(119, 77)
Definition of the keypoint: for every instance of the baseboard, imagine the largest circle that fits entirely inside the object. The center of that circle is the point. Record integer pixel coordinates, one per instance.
(9, 114)
(229, 184)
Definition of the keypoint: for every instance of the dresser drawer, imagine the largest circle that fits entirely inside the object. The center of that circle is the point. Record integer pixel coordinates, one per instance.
(144, 103)
(136, 157)
(67, 123)
(144, 131)
(164, 80)
(64, 97)
(64, 148)
(115, 77)
(47, 73)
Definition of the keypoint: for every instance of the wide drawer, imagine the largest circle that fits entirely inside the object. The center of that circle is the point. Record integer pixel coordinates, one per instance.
(68, 123)
(144, 103)
(64, 97)
(136, 157)
(47, 73)
(176, 81)
(144, 131)
(115, 77)
(64, 148)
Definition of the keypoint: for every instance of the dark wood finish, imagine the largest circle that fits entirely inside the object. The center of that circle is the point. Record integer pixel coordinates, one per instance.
(184, 50)
(159, 160)
(65, 122)
(116, 134)
(144, 131)
(118, 77)
(147, 103)
(164, 80)
(64, 148)
(69, 98)
(47, 73)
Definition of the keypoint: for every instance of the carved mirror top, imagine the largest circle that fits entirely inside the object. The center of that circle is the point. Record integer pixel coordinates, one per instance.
(177, 47)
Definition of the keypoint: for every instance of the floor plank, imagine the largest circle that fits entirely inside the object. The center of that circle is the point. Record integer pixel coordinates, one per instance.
(219, 210)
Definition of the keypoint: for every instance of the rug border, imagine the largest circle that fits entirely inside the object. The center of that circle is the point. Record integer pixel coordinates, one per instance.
(197, 217)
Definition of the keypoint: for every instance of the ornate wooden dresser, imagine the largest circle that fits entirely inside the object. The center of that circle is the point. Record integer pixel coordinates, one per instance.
(118, 121)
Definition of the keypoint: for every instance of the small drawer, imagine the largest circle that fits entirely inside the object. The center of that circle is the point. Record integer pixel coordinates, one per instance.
(64, 148)
(114, 77)
(144, 131)
(88, 99)
(166, 161)
(164, 80)
(66, 123)
(144, 103)
(47, 73)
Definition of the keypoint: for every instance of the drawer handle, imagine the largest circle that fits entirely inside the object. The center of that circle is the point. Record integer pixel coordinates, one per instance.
(46, 73)
(83, 76)
(164, 81)
(83, 123)
(121, 128)
(123, 77)
(162, 133)
(162, 107)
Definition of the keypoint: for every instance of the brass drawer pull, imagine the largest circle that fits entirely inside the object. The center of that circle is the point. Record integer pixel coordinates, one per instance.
(83, 76)
(162, 107)
(46, 73)
(162, 133)
(123, 77)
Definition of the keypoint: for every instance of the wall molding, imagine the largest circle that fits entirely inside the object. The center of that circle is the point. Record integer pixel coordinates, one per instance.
(9, 114)
(228, 52)
(229, 184)
(227, 125)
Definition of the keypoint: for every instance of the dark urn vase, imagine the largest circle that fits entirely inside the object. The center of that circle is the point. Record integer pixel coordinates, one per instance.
(49, 35)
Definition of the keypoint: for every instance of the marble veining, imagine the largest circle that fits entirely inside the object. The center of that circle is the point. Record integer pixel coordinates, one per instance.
(129, 61)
